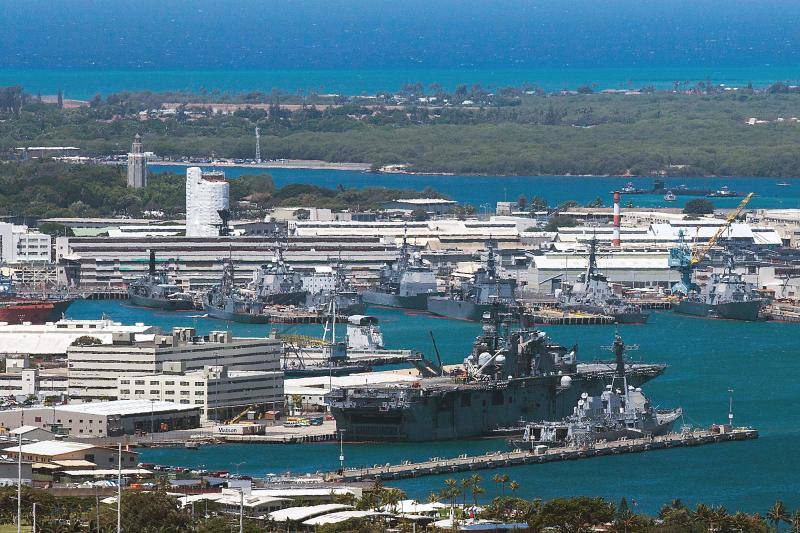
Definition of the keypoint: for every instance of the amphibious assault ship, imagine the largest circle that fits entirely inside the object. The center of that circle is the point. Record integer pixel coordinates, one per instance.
(620, 411)
(155, 290)
(475, 297)
(592, 294)
(510, 376)
(405, 284)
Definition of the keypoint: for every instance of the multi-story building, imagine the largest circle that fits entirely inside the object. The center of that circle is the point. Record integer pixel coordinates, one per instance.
(137, 165)
(93, 370)
(219, 393)
(105, 419)
(18, 244)
(206, 195)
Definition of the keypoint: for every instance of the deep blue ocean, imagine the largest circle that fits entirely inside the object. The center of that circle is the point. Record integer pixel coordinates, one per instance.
(705, 357)
(484, 191)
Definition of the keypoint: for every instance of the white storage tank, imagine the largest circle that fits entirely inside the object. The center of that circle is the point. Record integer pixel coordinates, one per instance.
(206, 194)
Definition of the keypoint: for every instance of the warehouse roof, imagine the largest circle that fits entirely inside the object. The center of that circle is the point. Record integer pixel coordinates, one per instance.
(124, 407)
(295, 514)
(51, 447)
(335, 518)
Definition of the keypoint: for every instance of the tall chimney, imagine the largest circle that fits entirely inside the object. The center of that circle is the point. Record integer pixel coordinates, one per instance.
(615, 241)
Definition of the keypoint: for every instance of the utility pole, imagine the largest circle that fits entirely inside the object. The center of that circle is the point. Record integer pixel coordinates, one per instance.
(241, 510)
(19, 485)
(33, 527)
(730, 407)
(119, 487)
(341, 450)
(258, 145)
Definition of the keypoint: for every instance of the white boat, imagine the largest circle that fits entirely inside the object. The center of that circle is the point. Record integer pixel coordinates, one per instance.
(669, 197)
(783, 184)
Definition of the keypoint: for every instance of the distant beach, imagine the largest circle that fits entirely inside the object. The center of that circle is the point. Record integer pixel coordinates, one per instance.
(312, 164)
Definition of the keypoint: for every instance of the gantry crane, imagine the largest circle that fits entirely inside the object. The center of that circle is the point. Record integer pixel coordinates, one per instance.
(683, 259)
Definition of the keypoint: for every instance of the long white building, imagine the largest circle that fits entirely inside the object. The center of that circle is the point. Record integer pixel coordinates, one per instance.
(206, 194)
(94, 370)
(219, 393)
(53, 338)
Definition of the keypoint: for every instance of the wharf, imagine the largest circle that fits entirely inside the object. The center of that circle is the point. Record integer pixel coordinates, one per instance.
(464, 463)
(294, 317)
(101, 294)
(783, 313)
(548, 317)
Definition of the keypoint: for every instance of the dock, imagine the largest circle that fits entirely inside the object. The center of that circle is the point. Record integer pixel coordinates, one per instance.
(466, 463)
(550, 317)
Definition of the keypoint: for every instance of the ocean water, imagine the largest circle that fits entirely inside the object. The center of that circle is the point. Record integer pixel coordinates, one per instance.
(83, 84)
(705, 358)
(485, 191)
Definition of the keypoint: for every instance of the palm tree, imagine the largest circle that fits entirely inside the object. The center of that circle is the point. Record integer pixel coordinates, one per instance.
(513, 486)
(795, 522)
(475, 485)
(497, 478)
(777, 514)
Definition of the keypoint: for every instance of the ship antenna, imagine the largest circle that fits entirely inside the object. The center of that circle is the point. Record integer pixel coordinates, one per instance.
(730, 407)
(438, 357)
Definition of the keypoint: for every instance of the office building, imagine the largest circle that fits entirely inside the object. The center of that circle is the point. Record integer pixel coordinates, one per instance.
(94, 370)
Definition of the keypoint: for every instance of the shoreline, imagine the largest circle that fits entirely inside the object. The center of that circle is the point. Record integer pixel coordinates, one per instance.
(310, 164)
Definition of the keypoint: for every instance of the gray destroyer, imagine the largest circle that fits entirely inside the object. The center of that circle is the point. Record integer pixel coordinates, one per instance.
(620, 411)
(592, 294)
(476, 296)
(277, 283)
(155, 290)
(226, 301)
(405, 284)
(510, 376)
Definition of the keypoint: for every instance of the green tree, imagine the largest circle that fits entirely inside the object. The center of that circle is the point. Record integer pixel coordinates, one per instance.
(538, 203)
(560, 221)
(698, 206)
(778, 513)
(419, 215)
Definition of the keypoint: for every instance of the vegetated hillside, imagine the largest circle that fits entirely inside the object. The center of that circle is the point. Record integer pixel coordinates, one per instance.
(681, 134)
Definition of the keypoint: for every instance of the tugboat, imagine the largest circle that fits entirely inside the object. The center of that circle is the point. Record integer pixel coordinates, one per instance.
(406, 284)
(475, 297)
(155, 290)
(620, 411)
(725, 295)
(510, 375)
(592, 294)
(724, 192)
(226, 301)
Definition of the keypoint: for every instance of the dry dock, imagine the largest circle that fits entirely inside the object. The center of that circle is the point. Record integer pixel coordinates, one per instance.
(490, 460)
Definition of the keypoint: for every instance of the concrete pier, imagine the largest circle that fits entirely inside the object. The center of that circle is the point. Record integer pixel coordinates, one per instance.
(465, 463)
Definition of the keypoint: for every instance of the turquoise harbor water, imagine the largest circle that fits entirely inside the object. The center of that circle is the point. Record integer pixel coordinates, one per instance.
(484, 191)
(760, 361)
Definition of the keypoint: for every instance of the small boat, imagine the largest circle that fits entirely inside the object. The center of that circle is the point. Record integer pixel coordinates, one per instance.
(191, 445)
(783, 184)
(724, 192)
(669, 197)
(629, 188)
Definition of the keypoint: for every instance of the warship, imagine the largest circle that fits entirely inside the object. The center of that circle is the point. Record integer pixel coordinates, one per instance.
(276, 283)
(475, 297)
(405, 284)
(725, 295)
(155, 290)
(348, 300)
(226, 301)
(592, 294)
(620, 411)
(511, 375)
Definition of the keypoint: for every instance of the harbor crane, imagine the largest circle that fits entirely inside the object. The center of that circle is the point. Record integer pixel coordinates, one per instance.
(684, 259)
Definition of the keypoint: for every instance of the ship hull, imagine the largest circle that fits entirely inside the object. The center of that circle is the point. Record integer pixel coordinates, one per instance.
(620, 317)
(470, 412)
(458, 309)
(244, 318)
(286, 298)
(33, 311)
(746, 311)
(383, 299)
(159, 303)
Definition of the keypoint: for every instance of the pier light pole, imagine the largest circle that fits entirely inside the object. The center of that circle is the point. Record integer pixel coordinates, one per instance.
(730, 407)
(119, 487)
(241, 510)
(341, 450)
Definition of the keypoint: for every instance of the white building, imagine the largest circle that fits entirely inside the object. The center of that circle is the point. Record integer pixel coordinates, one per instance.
(53, 338)
(219, 393)
(94, 370)
(206, 194)
(137, 165)
(21, 380)
(18, 244)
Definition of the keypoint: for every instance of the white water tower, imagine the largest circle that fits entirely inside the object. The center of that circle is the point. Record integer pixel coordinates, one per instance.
(206, 194)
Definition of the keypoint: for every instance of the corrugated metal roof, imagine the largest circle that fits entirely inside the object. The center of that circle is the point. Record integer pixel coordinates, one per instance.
(294, 514)
(124, 407)
(51, 447)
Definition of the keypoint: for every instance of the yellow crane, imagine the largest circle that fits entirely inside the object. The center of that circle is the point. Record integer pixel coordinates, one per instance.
(701, 250)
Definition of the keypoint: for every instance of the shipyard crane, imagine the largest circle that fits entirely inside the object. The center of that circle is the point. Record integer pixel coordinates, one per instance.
(683, 259)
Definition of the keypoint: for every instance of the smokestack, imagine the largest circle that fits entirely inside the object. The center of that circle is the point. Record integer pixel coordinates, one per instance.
(152, 263)
(615, 241)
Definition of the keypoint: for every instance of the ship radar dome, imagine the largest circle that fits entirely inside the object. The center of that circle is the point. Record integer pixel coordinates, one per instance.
(500, 359)
(566, 382)
(483, 358)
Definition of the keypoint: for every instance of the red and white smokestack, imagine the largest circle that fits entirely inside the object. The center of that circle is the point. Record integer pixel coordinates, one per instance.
(615, 241)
